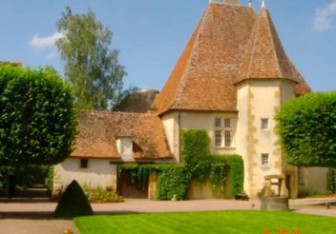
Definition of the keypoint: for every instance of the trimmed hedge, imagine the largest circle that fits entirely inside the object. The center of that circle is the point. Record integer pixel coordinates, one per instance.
(73, 203)
(37, 118)
(307, 129)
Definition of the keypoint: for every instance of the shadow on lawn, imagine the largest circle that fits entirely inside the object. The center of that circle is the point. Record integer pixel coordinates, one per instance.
(119, 212)
(48, 215)
(27, 215)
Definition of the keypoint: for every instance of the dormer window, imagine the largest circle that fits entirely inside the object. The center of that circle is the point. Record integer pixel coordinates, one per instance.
(125, 147)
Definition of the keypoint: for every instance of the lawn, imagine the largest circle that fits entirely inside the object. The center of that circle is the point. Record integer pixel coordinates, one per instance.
(229, 222)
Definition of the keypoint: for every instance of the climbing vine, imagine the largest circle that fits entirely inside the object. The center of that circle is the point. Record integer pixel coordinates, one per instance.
(236, 165)
(139, 172)
(198, 164)
(173, 182)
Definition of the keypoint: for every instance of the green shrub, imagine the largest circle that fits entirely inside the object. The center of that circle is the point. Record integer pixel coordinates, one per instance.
(100, 195)
(73, 203)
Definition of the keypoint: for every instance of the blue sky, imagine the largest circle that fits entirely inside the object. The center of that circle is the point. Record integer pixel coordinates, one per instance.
(151, 34)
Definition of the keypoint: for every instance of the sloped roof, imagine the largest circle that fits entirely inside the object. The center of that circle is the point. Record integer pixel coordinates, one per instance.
(99, 130)
(220, 53)
(265, 57)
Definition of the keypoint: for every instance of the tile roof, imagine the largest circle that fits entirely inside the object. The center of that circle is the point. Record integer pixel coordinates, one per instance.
(220, 53)
(265, 57)
(98, 131)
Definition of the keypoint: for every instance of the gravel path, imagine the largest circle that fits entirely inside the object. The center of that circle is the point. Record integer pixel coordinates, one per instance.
(36, 217)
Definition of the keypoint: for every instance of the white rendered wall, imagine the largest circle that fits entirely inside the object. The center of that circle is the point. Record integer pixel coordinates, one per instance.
(99, 173)
(170, 123)
(205, 121)
(176, 121)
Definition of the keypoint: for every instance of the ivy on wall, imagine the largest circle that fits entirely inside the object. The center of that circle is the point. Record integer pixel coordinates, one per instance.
(197, 164)
(139, 173)
(236, 164)
(173, 181)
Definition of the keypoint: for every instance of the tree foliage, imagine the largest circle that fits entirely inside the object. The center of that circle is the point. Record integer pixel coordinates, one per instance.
(307, 129)
(90, 63)
(37, 121)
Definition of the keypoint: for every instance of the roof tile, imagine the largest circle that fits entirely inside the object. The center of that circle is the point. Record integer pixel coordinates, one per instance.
(222, 51)
(98, 131)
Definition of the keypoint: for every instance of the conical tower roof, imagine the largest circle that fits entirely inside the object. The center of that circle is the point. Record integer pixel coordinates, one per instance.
(202, 78)
(265, 57)
(221, 53)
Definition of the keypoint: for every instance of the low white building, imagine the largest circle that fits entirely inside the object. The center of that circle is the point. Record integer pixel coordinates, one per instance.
(107, 139)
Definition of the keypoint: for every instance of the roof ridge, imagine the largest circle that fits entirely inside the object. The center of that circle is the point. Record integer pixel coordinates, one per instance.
(209, 61)
(107, 112)
(267, 15)
(186, 54)
(254, 30)
(187, 70)
(265, 57)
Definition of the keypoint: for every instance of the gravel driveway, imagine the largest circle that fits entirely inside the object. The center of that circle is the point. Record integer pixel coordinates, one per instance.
(36, 217)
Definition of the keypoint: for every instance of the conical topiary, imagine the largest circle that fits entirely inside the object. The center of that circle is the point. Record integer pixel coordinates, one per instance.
(73, 203)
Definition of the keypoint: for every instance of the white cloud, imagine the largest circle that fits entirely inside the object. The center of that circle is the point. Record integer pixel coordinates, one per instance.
(44, 42)
(324, 17)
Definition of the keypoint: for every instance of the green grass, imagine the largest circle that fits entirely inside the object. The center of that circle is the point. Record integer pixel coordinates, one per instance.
(229, 222)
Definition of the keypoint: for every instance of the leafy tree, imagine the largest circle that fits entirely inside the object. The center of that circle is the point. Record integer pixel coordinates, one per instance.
(90, 63)
(307, 129)
(37, 121)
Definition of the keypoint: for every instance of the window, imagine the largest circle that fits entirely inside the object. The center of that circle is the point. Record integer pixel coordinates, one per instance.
(218, 122)
(218, 138)
(264, 123)
(264, 159)
(227, 123)
(223, 132)
(84, 163)
(227, 137)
